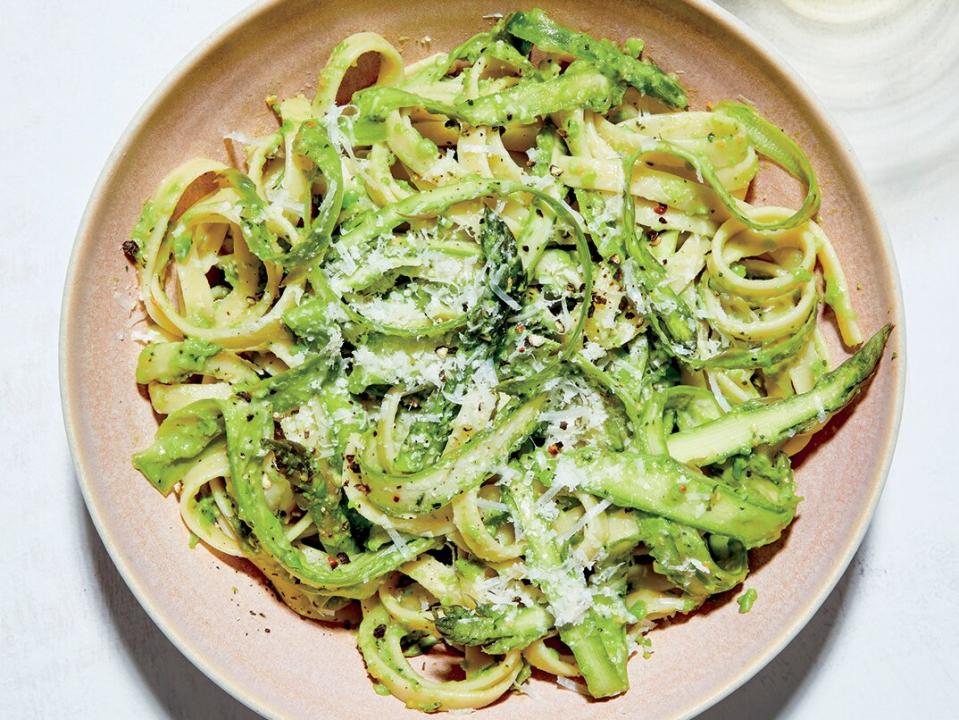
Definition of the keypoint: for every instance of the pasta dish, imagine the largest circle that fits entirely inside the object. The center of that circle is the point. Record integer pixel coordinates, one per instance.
(496, 352)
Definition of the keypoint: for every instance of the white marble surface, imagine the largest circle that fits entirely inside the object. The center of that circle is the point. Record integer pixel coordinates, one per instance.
(72, 638)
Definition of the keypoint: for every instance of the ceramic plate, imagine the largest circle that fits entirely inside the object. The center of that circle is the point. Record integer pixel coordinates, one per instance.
(215, 609)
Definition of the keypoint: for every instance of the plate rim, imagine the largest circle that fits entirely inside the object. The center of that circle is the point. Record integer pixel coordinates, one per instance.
(746, 36)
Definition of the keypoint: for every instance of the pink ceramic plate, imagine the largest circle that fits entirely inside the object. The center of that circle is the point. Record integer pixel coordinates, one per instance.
(210, 607)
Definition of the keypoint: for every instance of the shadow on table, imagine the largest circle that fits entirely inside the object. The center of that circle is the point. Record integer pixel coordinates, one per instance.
(184, 692)
(771, 690)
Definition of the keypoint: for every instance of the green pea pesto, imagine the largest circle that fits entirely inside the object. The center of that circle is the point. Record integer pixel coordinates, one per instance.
(181, 246)
(746, 600)
(149, 216)
(179, 442)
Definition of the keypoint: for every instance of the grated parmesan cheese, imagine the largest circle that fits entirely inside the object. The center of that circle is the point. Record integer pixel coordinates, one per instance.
(339, 139)
(570, 684)
(491, 505)
(717, 393)
(586, 517)
(593, 351)
(502, 295)
(239, 138)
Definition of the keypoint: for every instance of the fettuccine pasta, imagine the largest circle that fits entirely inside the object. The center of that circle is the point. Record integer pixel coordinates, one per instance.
(497, 349)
